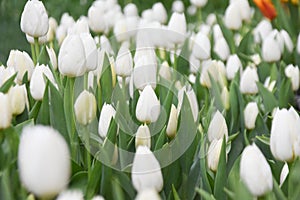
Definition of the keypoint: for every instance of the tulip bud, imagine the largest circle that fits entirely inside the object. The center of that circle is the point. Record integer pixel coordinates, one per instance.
(225, 98)
(106, 114)
(172, 123)
(73, 194)
(34, 19)
(159, 12)
(143, 137)
(271, 50)
(233, 65)
(217, 32)
(199, 3)
(38, 84)
(148, 194)
(256, 59)
(213, 69)
(217, 128)
(21, 62)
(43, 161)
(201, 48)
(287, 40)
(52, 56)
(124, 63)
(5, 110)
(248, 81)
(18, 99)
(221, 48)
(250, 113)
(211, 19)
(90, 49)
(245, 9)
(85, 107)
(148, 106)
(192, 100)
(71, 57)
(232, 17)
(284, 173)
(293, 73)
(261, 31)
(178, 6)
(66, 20)
(60, 34)
(52, 29)
(177, 28)
(97, 21)
(80, 26)
(164, 71)
(255, 171)
(213, 154)
(105, 45)
(146, 171)
(285, 138)
(130, 10)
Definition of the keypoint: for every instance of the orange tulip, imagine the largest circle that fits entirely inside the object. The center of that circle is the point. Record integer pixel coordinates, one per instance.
(267, 8)
(295, 2)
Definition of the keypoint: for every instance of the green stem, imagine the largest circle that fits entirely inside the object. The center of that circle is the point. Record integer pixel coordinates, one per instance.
(33, 53)
(73, 143)
(124, 87)
(88, 155)
(199, 17)
(37, 50)
(85, 81)
(7, 185)
(175, 57)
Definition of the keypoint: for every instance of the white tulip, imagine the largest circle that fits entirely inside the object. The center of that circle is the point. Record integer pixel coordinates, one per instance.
(287, 40)
(60, 34)
(250, 113)
(105, 45)
(225, 98)
(97, 21)
(194, 64)
(216, 69)
(217, 32)
(159, 12)
(148, 106)
(177, 28)
(298, 44)
(143, 136)
(256, 59)
(41, 40)
(199, 3)
(21, 62)
(233, 65)
(148, 194)
(269, 85)
(232, 17)
(98, 197)
(191, 96)
(85, 107)
(211, 19)
(261, 31)
(276, 35)
(5, 74)
(205, 29)
(221, 48)
(245, 9)
(284, 173)
(124, 63)
(18, 99)
(73, 194)
(52, 57)
(38, 83)
(34, 19)
(217, 127)
(80, 26)
(248, 81)
(52, 29)
(165, 71)
(285, 137)
(178, 6)
(130, 10)
(146, 171)
(121, 30)
(5, 110)
(271, 50)
(192, 10)
(213, 154)
(292, 72)
(71, 57)
(148, 15)
(255, 171)
(67, 21)
(172, 123)
(107, 113)
(43, 161)
(201, 48)
(90, 49)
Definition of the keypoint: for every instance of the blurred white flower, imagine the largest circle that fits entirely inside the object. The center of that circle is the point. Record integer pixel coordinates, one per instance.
(124, 62)
(255, 171)
(159, 12)
(194, 64)
(177, 28)
(261, 31)
(143, 136)
(34, 19)
(5, 74)
(233, 65)
(178, 6)
(201, 47)
(248, 81)
(214, 69)
(232, 16)
(148, 106)
(221, 48)
(172, 123)
(288, 43)
(217, 127)
(130, 10)
(90, 49)
(52, 29)
(292, 72)
(225, 98)
(60, 34)
(250, 113)
(96, 18)
(73, 194)
(18, 99)
(41, 40)
(107, 113)
(5, 110)
(80, 26)
(146, 172)
(148, 194)
(269, 85)
(217, 32)
(213, 154)
(191, 96)
(245, 9)
(85, 107)
(270, 49)
(43, 161)
(284, 173)
(199, 3)
(164, 71)
(52, 57)
(285, 137)
(211, 19)
(66, 20)
(105, 45)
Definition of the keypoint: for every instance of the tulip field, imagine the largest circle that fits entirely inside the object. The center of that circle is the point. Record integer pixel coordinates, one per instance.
(191, 99)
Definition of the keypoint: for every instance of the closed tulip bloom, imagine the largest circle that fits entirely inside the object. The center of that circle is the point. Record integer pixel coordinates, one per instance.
(148, 194)
(213, 69)
(71, 57)
(148, 106)
(178, 6)
(217, 127)
(269, 84)
(124, 62)
(250, 113)
(255, 171)
(80, 26)
(245, 9)
(194, 64)
(213, 154)
(96, 18)
(18, 99)
(85, 107)
(159, 12)
(221, 48)
(292, 72)
(5, 110)
(73, 194)
(107, 113)
(284, 173)
(146, 171)
(177, 28)
(21, 62)
(201, 48)
(34, 19)
(288, 43)
(285, 137)
(165, 71)
(217, 32)
(143, 137)
(5, 74)
(248, 81)
(172, 123)
(225, 98)
(232, 17)
(60, 34)
(233, 65)
(43, 161)
(130, 10)
(90, 50)
(271, 50)
(38, 83)
(199, 3)
(52, 29)
(52, 57)
(263, 28)
(192, 100)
